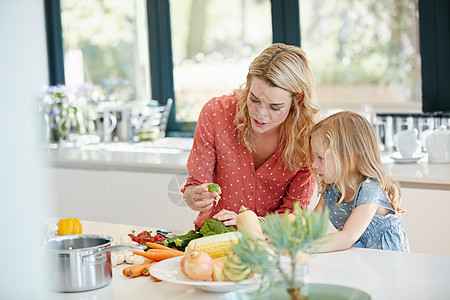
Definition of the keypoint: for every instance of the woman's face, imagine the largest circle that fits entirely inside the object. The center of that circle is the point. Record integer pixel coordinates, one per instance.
(268, 106)
(323, 164)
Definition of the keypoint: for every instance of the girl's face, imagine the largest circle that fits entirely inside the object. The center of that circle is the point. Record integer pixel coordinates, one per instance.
(323, 164)
(268, 106)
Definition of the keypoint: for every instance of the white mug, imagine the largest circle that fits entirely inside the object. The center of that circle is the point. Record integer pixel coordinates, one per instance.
(407, 143)
(438, 145)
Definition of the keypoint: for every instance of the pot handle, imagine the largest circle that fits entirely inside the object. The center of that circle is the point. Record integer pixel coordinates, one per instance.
(99, 256)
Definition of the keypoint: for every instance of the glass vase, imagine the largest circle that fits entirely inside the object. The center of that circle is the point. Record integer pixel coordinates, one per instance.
(292, 280)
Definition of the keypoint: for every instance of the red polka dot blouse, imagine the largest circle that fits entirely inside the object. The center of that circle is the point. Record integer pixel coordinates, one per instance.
(218, 156)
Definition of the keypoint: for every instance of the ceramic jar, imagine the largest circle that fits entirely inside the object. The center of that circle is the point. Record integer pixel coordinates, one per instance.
(438, 145)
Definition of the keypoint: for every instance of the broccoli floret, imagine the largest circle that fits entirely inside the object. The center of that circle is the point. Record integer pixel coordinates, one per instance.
(229, 228)
(213, 226)
(214, 187)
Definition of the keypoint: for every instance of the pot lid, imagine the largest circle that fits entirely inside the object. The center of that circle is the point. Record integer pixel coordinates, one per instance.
(78, 242)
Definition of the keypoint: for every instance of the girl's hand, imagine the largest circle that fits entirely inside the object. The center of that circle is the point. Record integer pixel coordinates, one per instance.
(227, 216)
(199, 198)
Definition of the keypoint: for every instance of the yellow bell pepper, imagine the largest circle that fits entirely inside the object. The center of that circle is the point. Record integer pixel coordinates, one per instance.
(69, 226)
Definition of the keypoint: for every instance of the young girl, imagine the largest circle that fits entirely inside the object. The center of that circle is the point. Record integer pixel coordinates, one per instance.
(362, 199)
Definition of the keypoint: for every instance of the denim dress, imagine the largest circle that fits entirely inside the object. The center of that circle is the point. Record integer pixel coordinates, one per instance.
(384, 232)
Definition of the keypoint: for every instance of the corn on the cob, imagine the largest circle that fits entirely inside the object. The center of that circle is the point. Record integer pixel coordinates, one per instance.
(215, 245)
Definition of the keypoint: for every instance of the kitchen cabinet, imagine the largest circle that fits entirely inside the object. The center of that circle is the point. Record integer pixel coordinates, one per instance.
(150, 198)
(122, 197)
(426, 220)
(154, 198)
(80, 193)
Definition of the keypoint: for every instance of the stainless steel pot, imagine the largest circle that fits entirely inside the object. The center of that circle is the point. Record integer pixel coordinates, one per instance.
(82, 262)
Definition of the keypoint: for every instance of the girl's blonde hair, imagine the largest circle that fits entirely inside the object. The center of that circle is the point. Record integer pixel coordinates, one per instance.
(352, 143)
(288, 68)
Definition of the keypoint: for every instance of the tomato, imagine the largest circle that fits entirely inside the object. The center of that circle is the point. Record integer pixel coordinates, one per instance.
(157, 238)
(145, 236)
(141, 238)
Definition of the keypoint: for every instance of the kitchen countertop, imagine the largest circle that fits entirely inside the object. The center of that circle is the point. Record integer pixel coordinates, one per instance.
(382, 274)
(171, 154)
(147, 157)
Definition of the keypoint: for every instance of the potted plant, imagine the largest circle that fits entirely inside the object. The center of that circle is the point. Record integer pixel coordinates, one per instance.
(281, 259)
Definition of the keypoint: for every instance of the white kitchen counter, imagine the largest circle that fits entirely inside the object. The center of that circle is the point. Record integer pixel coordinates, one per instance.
(119, 157)
(160, 158)
(382, 274)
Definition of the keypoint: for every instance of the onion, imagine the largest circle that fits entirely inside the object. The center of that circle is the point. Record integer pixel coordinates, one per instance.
(182, 266)
(198, 265)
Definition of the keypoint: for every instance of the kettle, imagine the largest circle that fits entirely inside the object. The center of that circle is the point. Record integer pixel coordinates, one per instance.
(438, 145)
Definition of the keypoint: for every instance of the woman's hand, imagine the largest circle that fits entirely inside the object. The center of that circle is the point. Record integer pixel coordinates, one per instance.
(199, 198)
(227, 216)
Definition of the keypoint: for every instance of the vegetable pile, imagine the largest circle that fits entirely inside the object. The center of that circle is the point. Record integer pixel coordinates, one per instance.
(206, 254)
(211, 257)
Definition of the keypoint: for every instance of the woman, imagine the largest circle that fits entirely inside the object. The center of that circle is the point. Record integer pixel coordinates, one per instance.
(251, 143)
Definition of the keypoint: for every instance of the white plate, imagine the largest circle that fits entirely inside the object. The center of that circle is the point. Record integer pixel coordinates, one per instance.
(397, 157)
(169, 270)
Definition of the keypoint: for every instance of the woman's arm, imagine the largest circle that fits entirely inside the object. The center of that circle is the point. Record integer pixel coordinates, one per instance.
(201, 163)
(355, 226)
(301, 189)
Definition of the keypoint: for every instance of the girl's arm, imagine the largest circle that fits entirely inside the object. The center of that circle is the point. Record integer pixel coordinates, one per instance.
(320, 206)
(355, 226)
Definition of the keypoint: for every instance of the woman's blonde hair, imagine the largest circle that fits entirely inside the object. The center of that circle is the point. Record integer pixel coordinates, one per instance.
(288, 68)
(352, 143)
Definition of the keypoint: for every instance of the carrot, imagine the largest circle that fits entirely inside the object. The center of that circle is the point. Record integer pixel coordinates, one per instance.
(125, 271)
(146, 270)
(135, 270)
(154, 278)
(159, 254)
(158, 246)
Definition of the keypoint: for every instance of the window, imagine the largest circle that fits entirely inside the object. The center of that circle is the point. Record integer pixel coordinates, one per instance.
(361, 51)
(365, 54)
(214, 42)
(106, 43)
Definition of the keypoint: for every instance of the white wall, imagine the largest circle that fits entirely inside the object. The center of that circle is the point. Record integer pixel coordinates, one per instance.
(23, 69)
